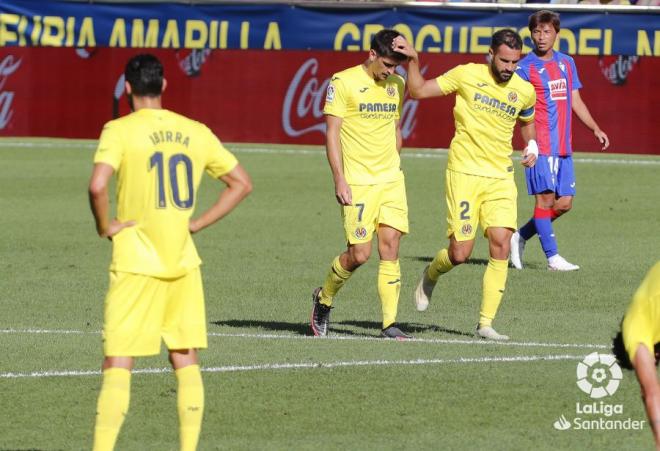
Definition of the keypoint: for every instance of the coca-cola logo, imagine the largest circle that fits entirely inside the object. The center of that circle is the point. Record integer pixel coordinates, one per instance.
(302, 110)
(191, 64)
(8, 66)
(617, 71)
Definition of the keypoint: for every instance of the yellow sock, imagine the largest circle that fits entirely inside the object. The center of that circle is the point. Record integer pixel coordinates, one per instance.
(190, 404)
(440, 265)
(112, 407)
(336, 278)
(493, 289)
(389, 286)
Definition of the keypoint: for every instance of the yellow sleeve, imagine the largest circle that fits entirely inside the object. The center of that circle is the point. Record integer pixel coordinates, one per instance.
(335, 99)
(527, 113)
(220, 160)
(110, 149)
(450, 81)
(401, 85)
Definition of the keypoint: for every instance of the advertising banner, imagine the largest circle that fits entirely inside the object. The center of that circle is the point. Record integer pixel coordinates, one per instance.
(29, 23)
(278, 97)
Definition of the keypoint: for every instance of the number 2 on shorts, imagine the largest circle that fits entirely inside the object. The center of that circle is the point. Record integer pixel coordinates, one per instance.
(465, 205)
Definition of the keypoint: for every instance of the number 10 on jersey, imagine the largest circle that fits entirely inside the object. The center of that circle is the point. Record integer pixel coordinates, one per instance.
(157, 163)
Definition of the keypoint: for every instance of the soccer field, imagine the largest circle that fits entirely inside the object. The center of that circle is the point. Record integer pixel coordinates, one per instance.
(268, 384)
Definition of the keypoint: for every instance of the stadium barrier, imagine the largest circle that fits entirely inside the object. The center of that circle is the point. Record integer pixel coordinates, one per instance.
(258, 73)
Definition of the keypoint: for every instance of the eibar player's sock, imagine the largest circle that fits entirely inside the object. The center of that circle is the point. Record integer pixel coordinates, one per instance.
(111, 407)
(190, 404)
(440, 265)
(493, 289)
(543, 223)
(389, 286)
(529, 229)
(336, 278)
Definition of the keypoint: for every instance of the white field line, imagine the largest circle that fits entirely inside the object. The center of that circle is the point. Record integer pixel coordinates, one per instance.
(448, 341)
(304, 365)
(434, 154)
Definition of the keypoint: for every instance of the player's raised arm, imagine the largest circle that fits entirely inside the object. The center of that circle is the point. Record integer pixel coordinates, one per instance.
(583, 113)
(239, 185)
(417, 86)
(333, 152)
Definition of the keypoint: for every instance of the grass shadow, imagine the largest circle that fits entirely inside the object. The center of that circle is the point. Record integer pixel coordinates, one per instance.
(298, 328)
(407, 327)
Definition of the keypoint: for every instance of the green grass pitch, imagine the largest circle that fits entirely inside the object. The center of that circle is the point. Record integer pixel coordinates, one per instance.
(271, 387)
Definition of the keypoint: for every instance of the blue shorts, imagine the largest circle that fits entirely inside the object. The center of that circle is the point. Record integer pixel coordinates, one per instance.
(551, 174)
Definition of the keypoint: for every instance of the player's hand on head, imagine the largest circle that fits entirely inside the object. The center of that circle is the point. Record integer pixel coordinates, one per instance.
(602, 138)
(401, 45)
(115, 227)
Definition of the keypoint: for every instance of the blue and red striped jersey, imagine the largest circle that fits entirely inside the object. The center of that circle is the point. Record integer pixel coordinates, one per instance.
(554, 81)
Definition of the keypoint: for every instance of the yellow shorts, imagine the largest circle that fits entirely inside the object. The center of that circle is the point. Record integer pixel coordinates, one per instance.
(473, 200)
(372, 205)
(140, 309)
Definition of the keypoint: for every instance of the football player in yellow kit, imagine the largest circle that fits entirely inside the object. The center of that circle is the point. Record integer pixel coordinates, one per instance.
(155, 290)
(480, 189)
(363, 141)
(637, 345)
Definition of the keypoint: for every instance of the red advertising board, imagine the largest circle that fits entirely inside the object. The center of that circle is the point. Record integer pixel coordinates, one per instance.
(277, 97)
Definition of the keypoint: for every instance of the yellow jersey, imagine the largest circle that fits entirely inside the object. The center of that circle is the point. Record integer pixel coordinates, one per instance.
(641, 324)
(369, 110)
(159, 157)
(485, 115)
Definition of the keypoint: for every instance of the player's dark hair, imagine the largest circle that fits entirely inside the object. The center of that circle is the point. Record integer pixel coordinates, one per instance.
(145, 75)
(544, 16)
(507, 37)
(382, 45)
(619, 351)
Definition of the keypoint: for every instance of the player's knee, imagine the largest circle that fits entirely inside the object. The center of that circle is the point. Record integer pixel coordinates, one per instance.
(459, 256)
(562, 209)
(360, 256)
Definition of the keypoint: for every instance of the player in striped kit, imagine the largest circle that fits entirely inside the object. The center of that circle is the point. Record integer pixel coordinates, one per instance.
(552, 179)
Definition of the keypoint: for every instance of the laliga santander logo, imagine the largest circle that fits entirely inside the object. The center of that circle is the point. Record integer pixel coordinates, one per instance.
(598, 375)
(305, 97)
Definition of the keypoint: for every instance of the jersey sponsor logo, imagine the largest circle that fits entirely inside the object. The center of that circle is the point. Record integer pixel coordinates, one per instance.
(330, 94)
(360, 233)
(377, 107)
(541, 70)
(558, 89)
(493, 105)
(364, 89)
(512, 97)
(481, 85)
(466, 229)
(391, 91)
